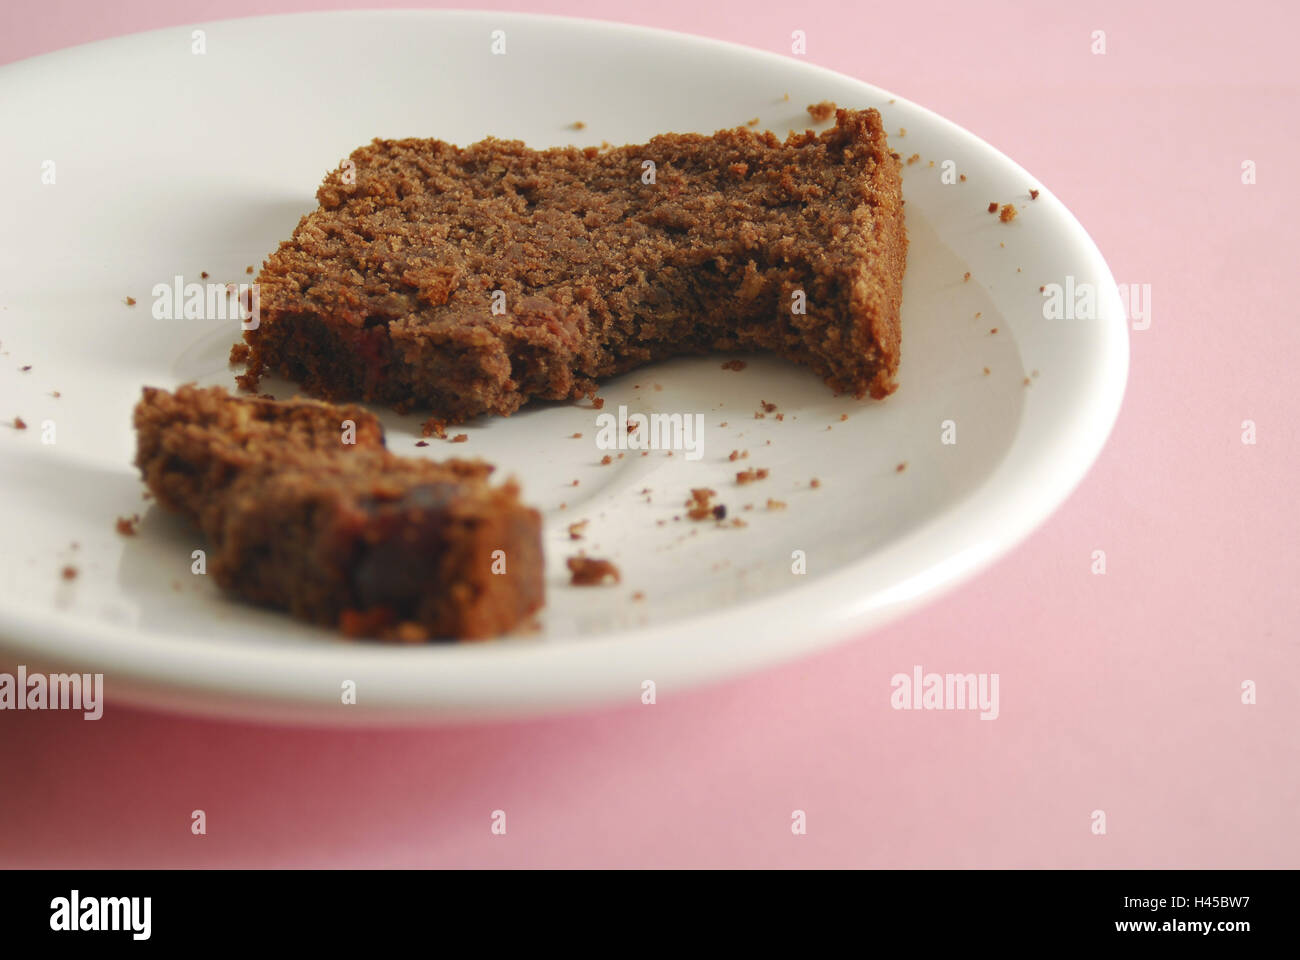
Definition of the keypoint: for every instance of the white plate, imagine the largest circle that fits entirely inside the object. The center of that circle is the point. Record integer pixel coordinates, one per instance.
(169, 162)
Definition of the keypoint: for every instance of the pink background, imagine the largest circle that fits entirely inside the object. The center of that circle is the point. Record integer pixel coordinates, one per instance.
(1119, 692)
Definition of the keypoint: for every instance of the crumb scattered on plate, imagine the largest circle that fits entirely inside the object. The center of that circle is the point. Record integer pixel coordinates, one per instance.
(821, 112)
(591, 571)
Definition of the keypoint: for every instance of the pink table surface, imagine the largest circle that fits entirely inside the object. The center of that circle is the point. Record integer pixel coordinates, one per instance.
(1119, 692)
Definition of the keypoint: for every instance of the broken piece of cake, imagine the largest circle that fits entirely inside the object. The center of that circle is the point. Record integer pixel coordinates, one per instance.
(306, 510)
(468, 281)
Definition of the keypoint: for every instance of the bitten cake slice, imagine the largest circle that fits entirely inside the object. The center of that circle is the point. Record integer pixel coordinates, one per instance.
(470, 281)
(306, 510)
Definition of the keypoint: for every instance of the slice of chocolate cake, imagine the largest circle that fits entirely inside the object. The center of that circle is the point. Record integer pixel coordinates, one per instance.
(470, 281)
(306, 510)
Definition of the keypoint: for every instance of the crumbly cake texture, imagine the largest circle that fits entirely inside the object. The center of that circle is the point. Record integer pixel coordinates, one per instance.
(387, 291)
(344, 534)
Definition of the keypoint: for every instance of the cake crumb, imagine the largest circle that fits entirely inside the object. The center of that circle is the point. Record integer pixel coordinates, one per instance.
(55, 394)
(738, 455)
(913, 159)
(700, 505)
(591, 572)
(19, 423)
(421, 443)
(575, 529)
(638, 596)
(597, 403)
(248, 269)
(901, 467)
(736, 365)
(1033, 194)
(239, 353)
(821, 112)
(965, 276)
(767, 407)
(962, 178)
(129, 301)
(126, 526)
(460, 438)
(993, 206)
(843, 417)
(434, 428)
(987, 371)
(579, 125)
(203, 274)
(1008, 212)
(775, 504)
(69, 573)
(993, 330)
(752, 123)
(751, 475)
(814, 483)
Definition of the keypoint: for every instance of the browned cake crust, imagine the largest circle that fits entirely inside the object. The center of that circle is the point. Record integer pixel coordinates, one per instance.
(346, 534)
(386, 292)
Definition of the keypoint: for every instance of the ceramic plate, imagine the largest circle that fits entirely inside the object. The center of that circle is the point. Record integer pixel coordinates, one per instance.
(133, 162)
